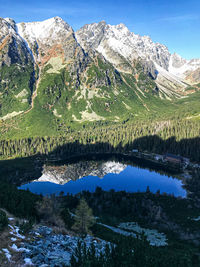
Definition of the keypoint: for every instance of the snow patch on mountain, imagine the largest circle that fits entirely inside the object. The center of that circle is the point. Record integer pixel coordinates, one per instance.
(50, 28)
(181, 67)
(102, 36)
(118, 45)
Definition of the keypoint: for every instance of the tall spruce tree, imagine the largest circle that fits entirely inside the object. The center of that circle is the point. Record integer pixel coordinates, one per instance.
(84, 218)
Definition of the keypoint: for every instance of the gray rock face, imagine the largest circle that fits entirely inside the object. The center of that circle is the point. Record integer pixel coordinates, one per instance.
(54, 38)
(121, 48)
(104, 37)
(16, 70)
(56, 250)
(12, 23)
(177, 61)
(91, 35)
(193, 76)
(149, 68)
(13, 49)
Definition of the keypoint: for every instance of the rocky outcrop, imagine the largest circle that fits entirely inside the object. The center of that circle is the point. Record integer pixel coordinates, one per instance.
(56, 249)
(117, 41)
(53, 42)
(122, 47)
(187, 70)
(16, 70)
(13, 49)
(193, 77)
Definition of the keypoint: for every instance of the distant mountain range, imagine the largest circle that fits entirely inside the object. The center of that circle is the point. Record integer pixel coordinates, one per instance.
(101, 72)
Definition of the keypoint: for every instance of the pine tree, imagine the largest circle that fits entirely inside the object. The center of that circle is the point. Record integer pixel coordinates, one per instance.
(84, 218)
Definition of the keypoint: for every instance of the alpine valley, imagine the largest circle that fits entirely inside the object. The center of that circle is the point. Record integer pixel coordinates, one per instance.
(53, 79)
(108, 123)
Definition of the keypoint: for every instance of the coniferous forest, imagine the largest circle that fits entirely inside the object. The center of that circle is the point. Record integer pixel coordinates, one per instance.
(178, 137)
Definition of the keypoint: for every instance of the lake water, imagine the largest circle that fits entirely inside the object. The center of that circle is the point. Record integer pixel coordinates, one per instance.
(87, 175)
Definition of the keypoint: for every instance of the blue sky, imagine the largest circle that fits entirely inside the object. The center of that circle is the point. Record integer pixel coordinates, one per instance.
(175, 23)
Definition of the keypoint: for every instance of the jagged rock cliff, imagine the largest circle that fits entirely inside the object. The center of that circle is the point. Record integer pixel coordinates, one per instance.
(16, 70)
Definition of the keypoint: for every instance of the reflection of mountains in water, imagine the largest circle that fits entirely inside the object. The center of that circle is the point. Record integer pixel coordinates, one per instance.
(75, 171)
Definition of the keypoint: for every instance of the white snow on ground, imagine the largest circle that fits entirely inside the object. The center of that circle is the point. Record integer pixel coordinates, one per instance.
(37, 234)
(15, 232)
(28, 261)
(11, 227)
(188, 65)
(7, 253)
(122, 41)
(15, 248)
(43, 29)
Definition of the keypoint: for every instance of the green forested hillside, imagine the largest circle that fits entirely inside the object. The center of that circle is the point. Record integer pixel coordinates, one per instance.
(178, 136)
(58, 93)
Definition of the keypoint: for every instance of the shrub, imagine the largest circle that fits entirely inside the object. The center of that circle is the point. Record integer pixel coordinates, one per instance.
(3, 220)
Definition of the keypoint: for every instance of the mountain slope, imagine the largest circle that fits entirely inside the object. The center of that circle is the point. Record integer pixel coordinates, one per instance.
(53, 77)
(188, 70)
(118, 39)
(16, 71)
(81, 85)
(122, 47)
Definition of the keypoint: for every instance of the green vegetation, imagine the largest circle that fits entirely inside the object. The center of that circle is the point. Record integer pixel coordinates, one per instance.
(14, 80)
(83, 218)
(115, 207)
(64, 96)
(145, 208)
(42, 122)
(90, 107)
(131, 253)
(3, 220)
(178, 137)
(18, 202)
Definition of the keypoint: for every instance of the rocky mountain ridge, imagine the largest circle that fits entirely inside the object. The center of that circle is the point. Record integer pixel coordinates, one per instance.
(107, 38)
(99, 72)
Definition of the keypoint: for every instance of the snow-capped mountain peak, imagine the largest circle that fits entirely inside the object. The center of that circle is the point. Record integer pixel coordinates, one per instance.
(7, 26)
(181, 67)
(51, 28)
(105, 37)
(118, 45)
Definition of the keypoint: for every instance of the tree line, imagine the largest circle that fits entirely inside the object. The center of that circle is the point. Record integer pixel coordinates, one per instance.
(178, 137)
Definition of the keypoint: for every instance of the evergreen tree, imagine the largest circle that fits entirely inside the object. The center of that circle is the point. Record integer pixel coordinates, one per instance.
(84, 218)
